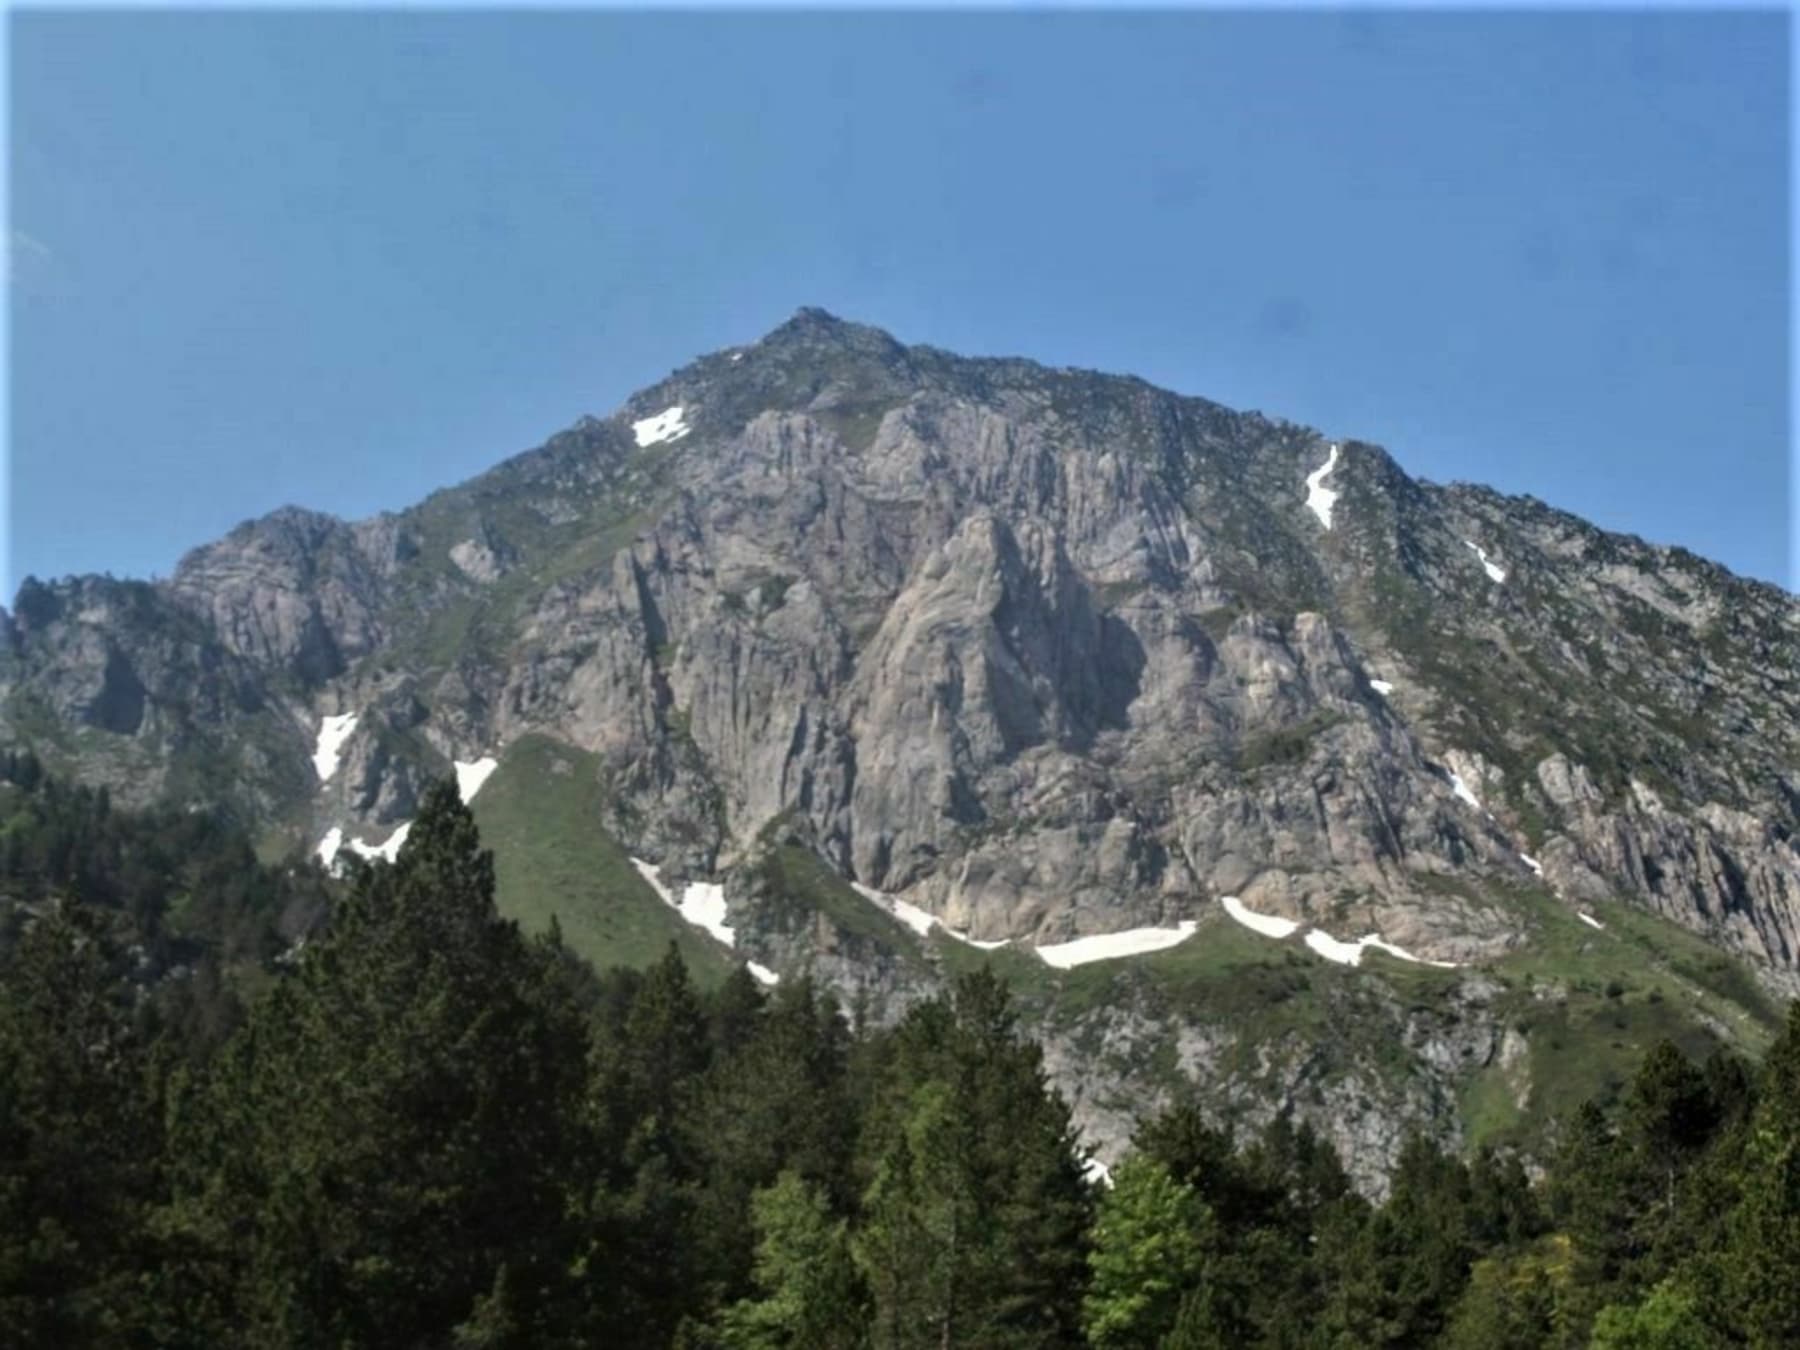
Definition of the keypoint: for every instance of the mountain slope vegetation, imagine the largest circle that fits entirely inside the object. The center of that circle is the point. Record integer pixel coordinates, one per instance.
(424, 1129)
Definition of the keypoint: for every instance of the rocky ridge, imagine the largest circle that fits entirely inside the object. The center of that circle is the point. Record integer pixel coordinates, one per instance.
(1047, 653)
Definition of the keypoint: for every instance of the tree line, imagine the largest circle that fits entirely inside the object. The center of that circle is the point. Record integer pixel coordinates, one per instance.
(422, 1129)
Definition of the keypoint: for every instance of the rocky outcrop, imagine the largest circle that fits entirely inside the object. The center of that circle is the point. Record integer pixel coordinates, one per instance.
(1052, 653)
(295, 591)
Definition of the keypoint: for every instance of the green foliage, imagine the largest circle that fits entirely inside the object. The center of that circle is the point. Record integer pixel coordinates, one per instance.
(1511, 1300)
(1147, 1249)
(390, 1127)
(430, 1131)
(1667, 1319)
(1764, 1231)
(80, 1145)
(976, 1209)
(810, 1295)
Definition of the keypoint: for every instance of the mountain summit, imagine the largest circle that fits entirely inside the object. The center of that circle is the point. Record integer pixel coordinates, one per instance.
(916, 655)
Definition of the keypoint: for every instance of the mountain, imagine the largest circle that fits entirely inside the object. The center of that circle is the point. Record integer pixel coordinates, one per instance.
(881, 661)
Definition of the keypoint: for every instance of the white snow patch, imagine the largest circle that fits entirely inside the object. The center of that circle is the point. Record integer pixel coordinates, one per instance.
(910, 915)
(1381, 687)
(470, 777)
(649, 872)
(983, 945)
(763, 974)
(1532, 863)
(667, 425)
(388, 849)
(1266, 924)
(1592, 922)
(329, 845)
(737, 356)
(1497, 573)
(920, 921)
(1097, 1173)
(701, 903)
(1461, 789)
(333, 732)
(1344, 953)
(1319, 498)
(1351, 953)
(1109, 946)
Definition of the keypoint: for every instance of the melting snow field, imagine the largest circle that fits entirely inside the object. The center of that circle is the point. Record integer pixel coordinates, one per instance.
(910, 915)
(388, 849)
(1532, 863)
(665, 426)
(1097, 1173)
(920, 921)
(1344, 953)
(1493, 571)
(333, 732)
(701, 903)
(334, 843)
(1319, 498)
(1381, 687)
(1351, 953)
(1461, 789)
(470, 777)
(1107, 946)
(1266, 924)
(1592, 922)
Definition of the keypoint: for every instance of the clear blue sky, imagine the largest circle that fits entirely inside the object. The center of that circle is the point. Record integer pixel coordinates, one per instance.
(342, 259)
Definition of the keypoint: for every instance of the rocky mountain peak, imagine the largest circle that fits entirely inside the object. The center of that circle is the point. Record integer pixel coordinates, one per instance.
(1055, 651)
(1011, 660)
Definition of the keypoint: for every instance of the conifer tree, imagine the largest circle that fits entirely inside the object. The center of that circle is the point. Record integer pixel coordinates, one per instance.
(967, 1142)
(382, 1154)
(1765, 1229)
(79, 1138)
(1147, 1254)
(808, 1294)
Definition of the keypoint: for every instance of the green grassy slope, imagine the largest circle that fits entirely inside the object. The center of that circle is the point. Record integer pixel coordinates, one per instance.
(797, 877)
(540, 813)
(1587, 1003)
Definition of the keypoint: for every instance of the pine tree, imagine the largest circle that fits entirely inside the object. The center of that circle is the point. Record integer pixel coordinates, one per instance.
(1765, 1229)
(777, 1100)
(967, 1144)
(397, 1123)
(1147, 1254)
(80, 1141)
(644, 1263)
(810, 1297)
(1669, 1117)
(1669, 1318)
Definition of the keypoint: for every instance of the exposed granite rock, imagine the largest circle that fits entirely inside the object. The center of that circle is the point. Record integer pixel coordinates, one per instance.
(1053, 652)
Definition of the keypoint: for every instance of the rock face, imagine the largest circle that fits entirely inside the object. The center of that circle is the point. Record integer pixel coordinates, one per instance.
(1052, 653)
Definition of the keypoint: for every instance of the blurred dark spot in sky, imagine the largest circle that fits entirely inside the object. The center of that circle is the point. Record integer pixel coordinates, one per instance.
(976, 86)
(1363, 31)
(1173, 187)
(1283, 317)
